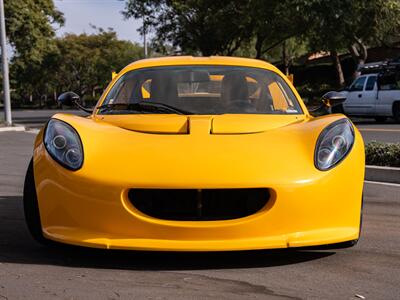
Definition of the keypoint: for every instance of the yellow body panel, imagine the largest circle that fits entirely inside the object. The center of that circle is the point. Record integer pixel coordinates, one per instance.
(308, 207)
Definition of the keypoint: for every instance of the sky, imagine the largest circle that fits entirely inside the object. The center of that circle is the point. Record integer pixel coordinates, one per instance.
(79, 14)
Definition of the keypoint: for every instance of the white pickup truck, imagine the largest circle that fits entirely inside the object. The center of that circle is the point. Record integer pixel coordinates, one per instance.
(374, 96)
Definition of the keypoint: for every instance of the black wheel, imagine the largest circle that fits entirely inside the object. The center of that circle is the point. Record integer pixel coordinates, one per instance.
(380, 119)
(396, 112)
(31, 207)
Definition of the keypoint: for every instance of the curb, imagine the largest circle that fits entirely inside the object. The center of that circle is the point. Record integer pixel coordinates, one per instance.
(12, 128)
(32, 130)
(382, 174)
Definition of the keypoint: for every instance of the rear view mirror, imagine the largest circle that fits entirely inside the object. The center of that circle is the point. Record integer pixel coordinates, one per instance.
(329, 100)
(333, 98)
(68, 98)
(72, 99)
(193, 76)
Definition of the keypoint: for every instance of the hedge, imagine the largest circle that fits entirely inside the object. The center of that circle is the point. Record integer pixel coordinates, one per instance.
(382, 154)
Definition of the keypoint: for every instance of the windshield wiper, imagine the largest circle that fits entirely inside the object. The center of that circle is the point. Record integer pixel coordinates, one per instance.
(164, 106)
(144, 106)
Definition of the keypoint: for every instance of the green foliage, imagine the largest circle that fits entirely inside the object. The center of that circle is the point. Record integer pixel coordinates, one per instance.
(194, 26)
(81, 63)
(217, 27)
(275, 22)
(86, 61)
(29, 25)
(43, 65)
(30, 32)
(337, 24)
(261, 28)
(381, 154)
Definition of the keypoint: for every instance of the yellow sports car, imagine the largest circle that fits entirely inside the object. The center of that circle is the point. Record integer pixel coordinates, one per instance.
(197, 154)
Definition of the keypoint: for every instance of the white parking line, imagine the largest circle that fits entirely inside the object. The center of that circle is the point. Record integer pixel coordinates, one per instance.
(378, 129)
(34, 131)
(383, 183)
(12, 128)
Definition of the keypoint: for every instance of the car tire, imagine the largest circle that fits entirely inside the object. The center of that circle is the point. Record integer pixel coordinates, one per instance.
(31, 208)
(396, 112)
(380, 119)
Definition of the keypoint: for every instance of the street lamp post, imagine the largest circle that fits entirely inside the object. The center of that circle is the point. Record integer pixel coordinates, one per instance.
(144, 39)
(6, 83)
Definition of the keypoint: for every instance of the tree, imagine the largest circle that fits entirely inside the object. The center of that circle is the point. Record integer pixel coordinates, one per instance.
(248, 28)
(275, 22)
(30, 32)
(81, 63)
(258, 27)
(195, 26)
(349, 25)
(85, 62)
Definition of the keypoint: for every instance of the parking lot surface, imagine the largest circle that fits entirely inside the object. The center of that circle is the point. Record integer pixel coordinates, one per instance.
(29, 271)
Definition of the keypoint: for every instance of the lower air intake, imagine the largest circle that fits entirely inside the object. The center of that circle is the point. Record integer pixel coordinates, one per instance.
(199, 204)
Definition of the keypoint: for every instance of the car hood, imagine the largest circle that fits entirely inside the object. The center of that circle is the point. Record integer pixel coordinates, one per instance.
(216, 151)
(215, 124)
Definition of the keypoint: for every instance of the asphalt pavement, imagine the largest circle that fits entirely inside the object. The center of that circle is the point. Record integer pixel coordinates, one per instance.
(370, 270)
(370, 129)
(388, 132)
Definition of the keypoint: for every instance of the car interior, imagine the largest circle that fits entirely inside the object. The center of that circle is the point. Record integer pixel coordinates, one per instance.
(198, 91)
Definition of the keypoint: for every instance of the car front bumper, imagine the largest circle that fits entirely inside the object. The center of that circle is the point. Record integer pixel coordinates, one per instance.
(91, 209)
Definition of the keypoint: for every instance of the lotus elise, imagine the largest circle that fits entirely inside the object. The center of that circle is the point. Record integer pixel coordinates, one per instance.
(197, 154)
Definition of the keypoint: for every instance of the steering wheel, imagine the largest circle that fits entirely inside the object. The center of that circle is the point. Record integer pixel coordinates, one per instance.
(240, 106)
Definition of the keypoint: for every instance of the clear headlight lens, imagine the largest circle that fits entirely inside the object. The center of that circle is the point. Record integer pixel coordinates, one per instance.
(333, 144)
(64, 144)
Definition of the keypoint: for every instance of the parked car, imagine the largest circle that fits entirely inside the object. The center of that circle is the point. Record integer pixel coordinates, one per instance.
(373, 95)
(197, 154)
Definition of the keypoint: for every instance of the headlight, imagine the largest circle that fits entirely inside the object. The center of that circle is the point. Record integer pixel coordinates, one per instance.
(63, 144)
(333, 144)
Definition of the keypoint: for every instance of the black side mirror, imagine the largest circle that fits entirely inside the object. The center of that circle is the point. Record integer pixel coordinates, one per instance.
(333, 98)
(329, 100)
(72, 99)
(68, 98)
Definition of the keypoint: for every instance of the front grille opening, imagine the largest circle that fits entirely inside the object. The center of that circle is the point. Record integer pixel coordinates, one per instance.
(199, 204)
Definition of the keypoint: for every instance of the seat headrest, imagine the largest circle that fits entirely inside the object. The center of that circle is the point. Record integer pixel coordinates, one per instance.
(163, 88)
(234, 87)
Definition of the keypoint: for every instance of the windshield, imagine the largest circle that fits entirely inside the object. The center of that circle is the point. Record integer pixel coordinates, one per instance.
(203, 90)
